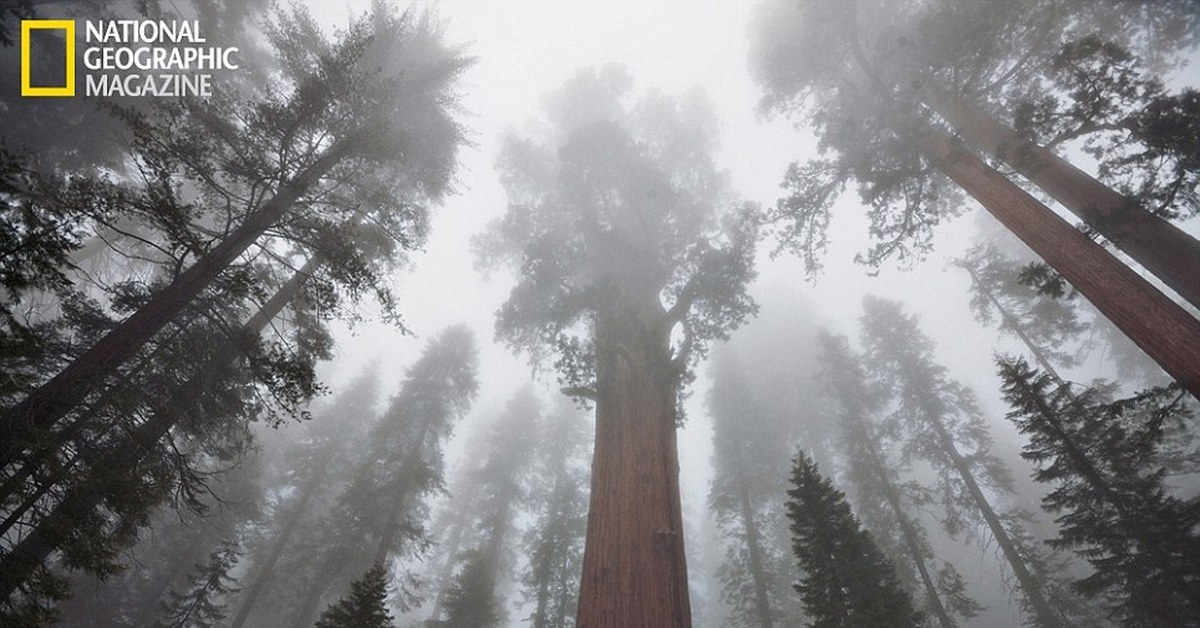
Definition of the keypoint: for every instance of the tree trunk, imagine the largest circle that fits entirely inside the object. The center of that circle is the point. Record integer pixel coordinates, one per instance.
(1167, 333)
(54, 529)
(909, 533)
(266, 572)
(46, 405)
(757, 572)
(634, 569)
(452, 546)
(1030, 586)
(1164, 249)
(1009, 321)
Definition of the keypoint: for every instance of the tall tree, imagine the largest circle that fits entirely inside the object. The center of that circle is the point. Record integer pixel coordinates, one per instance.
(1104, 458)
(557, 499)
(847, 581)
(333, 115)
(324, 454)
(1004, 291)
(886, 503)
(381, 512)
(749, 459)
(884, 137)
(618, 226)
(945, 428)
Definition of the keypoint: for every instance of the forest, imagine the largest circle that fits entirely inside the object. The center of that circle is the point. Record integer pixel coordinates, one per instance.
(769, 314)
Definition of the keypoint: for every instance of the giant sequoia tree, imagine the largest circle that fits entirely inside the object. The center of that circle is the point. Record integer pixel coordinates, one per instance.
(631, 259)
(888, 91)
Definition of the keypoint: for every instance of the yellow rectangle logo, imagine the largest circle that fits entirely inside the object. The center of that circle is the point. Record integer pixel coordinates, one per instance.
(68, 26)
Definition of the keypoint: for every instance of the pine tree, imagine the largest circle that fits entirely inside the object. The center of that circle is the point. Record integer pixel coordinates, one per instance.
(558, 498)
(847, 582)
(945, 427)
(1104, 459)
(365, 605)
(381, 511)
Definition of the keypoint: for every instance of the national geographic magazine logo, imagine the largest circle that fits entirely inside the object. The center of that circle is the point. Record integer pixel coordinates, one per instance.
(121, 58)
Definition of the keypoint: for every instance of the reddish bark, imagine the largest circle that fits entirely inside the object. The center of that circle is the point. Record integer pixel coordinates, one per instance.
(1164, 249)
(1167, 333)
(634, 568)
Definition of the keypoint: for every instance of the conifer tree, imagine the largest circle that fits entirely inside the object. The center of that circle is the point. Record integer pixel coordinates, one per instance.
(633, 256)
(750, 458)
(558, 500)
(1104, 458)
(945, 427)
(382, 510)
(202, 604)
(847, 582)
(886, 503)
(364, 606)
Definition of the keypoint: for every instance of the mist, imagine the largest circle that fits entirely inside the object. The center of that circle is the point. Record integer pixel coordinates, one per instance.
(626, 314)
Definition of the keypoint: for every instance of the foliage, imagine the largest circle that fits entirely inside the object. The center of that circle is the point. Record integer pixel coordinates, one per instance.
(364, 606)
(620, 209)
(847, 581)
(1108, 464)
(202, 604)
(861, 74)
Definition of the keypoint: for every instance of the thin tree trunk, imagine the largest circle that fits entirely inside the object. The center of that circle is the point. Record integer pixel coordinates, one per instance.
(1167, 333)
(757, 572)
(447, 572)
(1009, 321)
(336, 564)
(266, 572)
(54, 529)
(1164, 249)
(634, 568)
(911, 539)
(1030, 586)
(50, 402)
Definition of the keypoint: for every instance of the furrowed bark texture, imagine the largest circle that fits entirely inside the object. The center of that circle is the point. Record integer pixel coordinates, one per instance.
(1164, 330)
(634, 569)
(1161, 247)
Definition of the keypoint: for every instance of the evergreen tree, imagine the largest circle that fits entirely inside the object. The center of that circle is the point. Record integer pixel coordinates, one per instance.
(471, 600)
(314, 464)
(624, 232)
(202, 603)
(486, 513)
(364, 606)
(557, 498)
(887, 504)
(893, 82)
(847, 581)
(382, 510)
(1104, 459)
(750, 462)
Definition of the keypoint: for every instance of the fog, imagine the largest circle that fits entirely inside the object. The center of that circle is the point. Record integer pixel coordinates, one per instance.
(445, 448)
